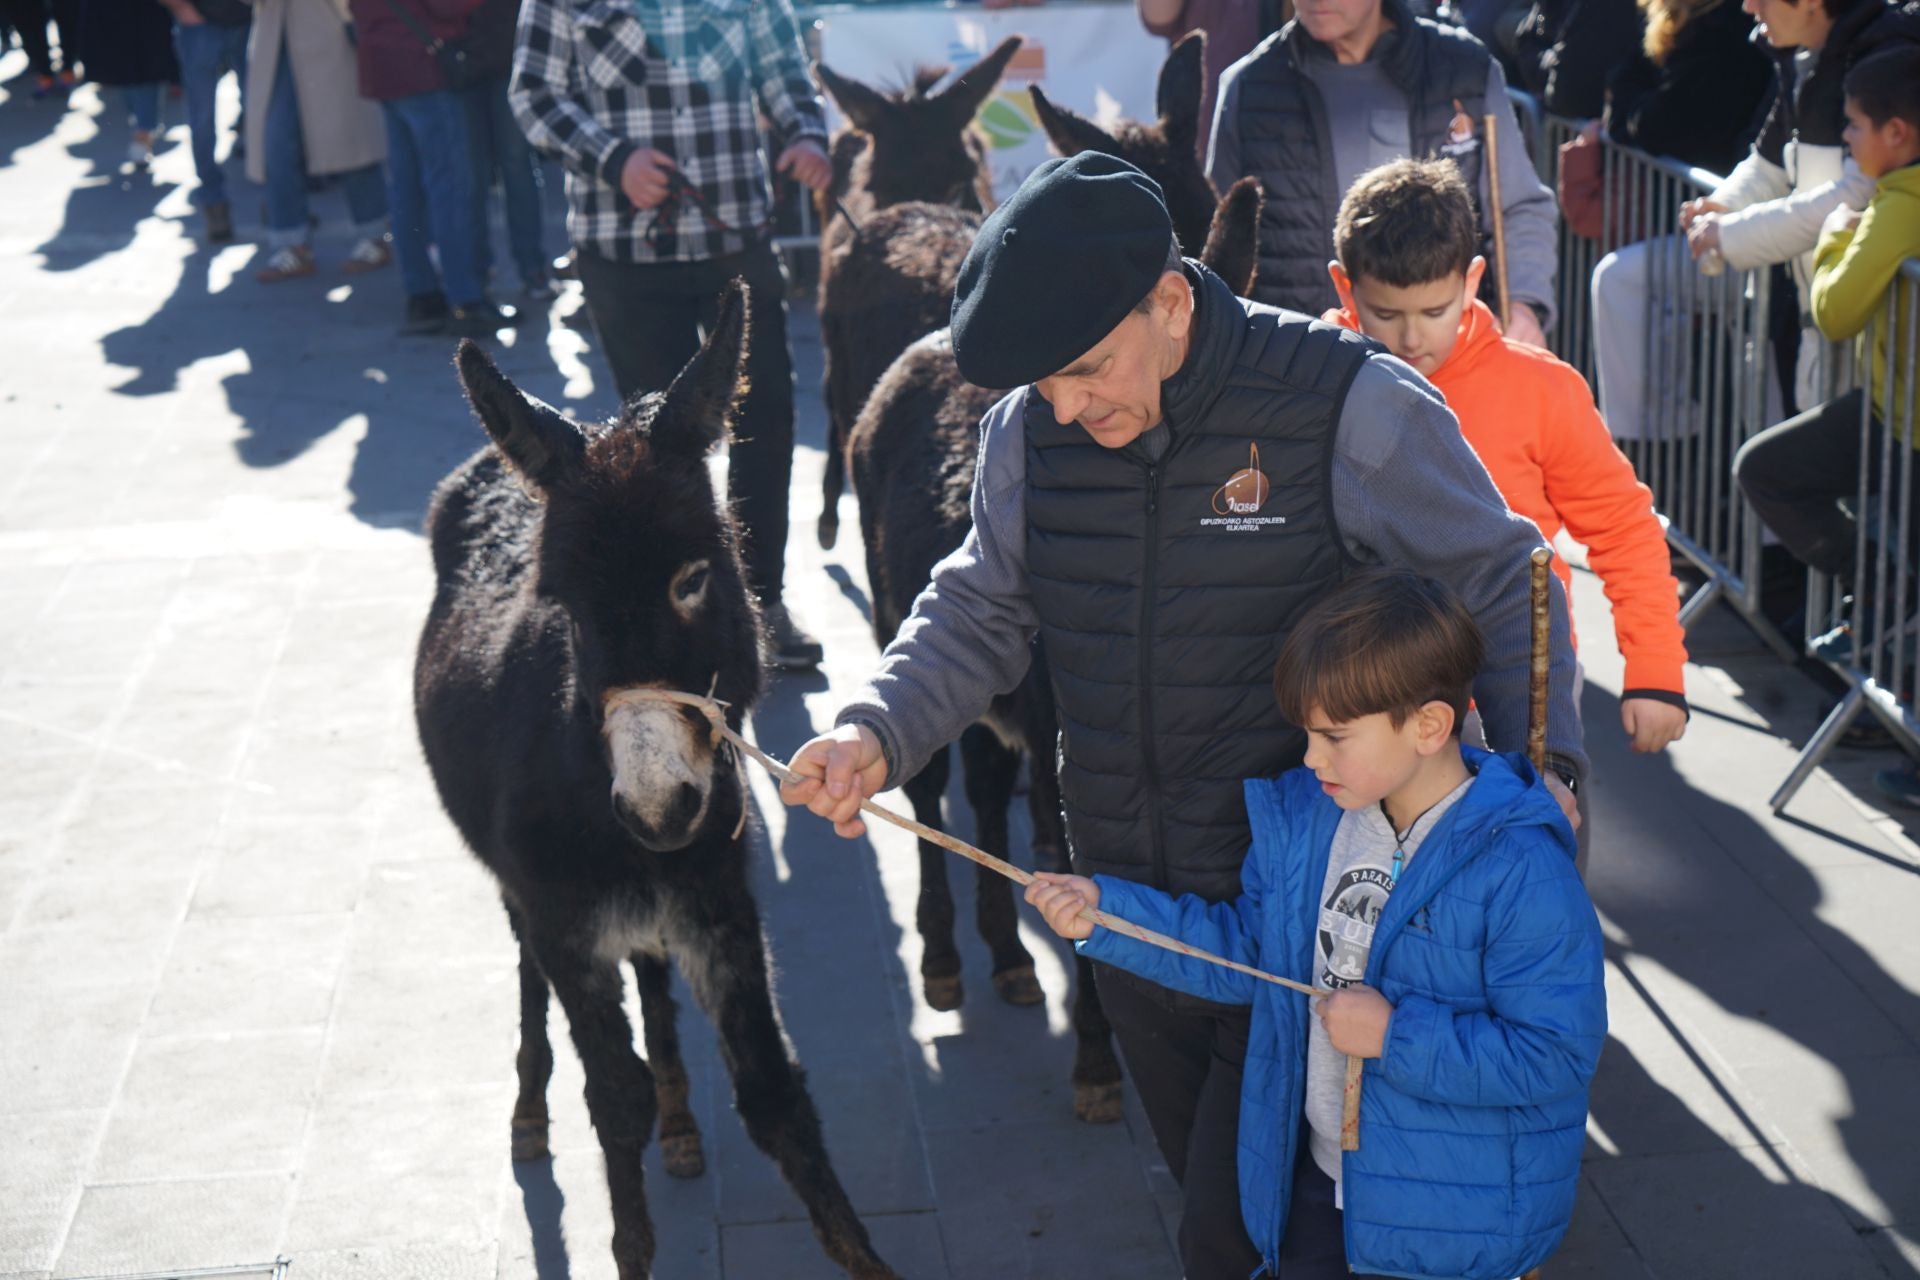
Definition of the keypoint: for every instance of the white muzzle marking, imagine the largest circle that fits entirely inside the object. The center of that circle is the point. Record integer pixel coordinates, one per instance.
(655, 751)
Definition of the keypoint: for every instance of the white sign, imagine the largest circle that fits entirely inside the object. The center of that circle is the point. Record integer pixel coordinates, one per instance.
(1095, 58)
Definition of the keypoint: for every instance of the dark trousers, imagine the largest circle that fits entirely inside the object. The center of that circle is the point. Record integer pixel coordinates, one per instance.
(1186, 1057)
(1798, 473)
(1315, 1244)
(29, 19)
(651, 317)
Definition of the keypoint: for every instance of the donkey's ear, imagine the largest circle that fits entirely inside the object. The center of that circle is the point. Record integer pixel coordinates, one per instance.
(1233, 241)
(703, 394)
(540, 442)
(972, 87)
(1182, 81)
(864, 105)
(1069, 131)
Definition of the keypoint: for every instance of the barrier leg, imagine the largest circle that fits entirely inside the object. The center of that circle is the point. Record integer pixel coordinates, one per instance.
(1818, 746)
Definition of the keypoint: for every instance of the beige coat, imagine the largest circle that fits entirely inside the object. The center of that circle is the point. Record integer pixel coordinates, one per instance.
(342, 131)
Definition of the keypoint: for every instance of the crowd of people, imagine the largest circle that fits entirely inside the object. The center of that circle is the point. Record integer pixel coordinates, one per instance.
(1418, 442)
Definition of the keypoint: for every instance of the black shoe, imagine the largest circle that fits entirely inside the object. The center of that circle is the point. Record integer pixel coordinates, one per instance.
(219, 216)
(788, 647)
(482, 320)
(426, 313)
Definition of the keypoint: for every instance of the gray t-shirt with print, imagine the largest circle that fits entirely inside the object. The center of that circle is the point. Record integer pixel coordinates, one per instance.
(1359, 881)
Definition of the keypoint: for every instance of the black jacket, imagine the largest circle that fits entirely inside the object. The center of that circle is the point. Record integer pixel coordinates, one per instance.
(1702, 104)
(1567, 49)
(1166, 585)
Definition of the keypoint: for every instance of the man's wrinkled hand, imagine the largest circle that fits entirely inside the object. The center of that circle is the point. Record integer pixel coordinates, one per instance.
(837, 771)
(1524, 326)
(1356, 1020)
(806, 163)
(644, 177)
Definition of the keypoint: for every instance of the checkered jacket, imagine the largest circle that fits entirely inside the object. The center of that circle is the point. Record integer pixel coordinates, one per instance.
(595, 79)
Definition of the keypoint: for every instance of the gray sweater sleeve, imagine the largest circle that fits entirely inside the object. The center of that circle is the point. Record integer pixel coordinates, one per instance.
(969, 636)
(1408, 491)
(1532, 214)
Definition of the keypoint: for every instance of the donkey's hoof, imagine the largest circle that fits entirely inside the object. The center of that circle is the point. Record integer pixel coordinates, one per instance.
(828, 531)
(1018, 985)
(683, 1156)
(944, 994)
(1097, 1103)
(530, 1139)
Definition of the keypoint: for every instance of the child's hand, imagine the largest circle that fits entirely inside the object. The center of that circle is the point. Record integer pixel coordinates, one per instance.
(1061, 899)
(1356, 1020)
(1651, 724)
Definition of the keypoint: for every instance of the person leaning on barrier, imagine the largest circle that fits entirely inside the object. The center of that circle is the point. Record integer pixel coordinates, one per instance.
(1176, 478)
(1770, 208)
(1799, 473)
(1349, 85)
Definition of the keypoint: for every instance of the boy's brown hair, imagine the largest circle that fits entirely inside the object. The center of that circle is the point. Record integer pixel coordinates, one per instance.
(1886, 86)
(1407, 223)
(1385, 640)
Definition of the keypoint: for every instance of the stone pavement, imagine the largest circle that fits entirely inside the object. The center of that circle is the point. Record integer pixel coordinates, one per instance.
(256, 1000)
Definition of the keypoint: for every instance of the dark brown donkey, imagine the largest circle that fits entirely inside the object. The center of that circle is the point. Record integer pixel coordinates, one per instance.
(907, 169)
(578, 567)
(889, 281)
(912, 454)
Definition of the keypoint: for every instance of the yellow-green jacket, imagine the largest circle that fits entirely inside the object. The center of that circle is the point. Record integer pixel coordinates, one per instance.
(1853, 270)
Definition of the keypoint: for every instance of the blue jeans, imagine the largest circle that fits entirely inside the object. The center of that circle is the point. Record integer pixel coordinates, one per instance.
(286, 164)
(143, 104)
(500, 147)
(430, 178)
(206, 53)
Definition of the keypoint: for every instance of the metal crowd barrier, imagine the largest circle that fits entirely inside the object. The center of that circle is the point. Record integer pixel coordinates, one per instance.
(1864, 629)
(1704, 356)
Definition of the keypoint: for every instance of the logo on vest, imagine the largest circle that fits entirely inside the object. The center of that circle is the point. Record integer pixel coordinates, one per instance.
(1460, 140)
(1236, 504)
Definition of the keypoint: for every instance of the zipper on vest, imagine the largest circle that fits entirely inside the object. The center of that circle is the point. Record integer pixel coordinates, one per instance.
(1148, 587)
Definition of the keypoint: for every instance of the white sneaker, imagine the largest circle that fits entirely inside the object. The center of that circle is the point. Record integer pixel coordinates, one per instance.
(140, 150)
(369, 253)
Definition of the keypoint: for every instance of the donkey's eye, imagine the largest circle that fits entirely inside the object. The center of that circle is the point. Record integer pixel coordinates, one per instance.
(689, 587)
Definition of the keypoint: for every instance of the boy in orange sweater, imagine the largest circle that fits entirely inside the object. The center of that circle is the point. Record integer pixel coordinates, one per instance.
(1407, 274)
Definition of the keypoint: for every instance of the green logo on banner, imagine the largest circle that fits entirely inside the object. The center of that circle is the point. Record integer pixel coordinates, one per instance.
(1008, 118)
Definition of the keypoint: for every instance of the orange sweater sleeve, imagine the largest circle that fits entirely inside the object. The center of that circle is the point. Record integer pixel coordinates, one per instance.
(1605, 507)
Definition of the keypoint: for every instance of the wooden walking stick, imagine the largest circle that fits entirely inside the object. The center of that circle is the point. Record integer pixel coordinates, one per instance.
(1499, 219)
(1540, 659)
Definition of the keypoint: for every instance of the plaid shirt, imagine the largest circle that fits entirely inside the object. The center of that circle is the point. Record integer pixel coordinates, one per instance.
(595, 79)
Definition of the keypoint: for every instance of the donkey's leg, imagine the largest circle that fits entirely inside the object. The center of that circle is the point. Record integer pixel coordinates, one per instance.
(933, 914)
(1096, 1068)
(535, 1059)
(679, 1135)
(833, 479)
(620, 1096)
(991, 769)
(725, 960)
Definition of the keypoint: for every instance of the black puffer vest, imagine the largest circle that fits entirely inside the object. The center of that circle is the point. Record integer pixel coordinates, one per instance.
(1166, 587)
(1284, 141)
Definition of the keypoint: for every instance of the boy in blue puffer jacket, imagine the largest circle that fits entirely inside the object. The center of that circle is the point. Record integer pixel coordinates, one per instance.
(1429, 888)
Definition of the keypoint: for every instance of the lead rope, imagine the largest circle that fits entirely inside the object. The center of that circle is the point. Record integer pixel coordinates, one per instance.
(715, 712)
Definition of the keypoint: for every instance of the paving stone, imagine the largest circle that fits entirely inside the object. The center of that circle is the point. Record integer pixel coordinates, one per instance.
(205, 1106)
(171, 824)
(250, 975)
(45, 1157)
(1079, 1196)
(1728, 1213)
(557, 1220)
(1853, 1124)
(210, 1223)
(443, 1146)
(909, 1242)
(1594, 1247)
(414, 1262)
(418, 1027)
(438, 912)
(204, 737)
(65, 1046)
(1897, 1248)
(269, 882)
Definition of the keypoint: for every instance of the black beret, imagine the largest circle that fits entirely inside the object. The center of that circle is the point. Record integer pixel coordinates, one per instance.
(1057, 267)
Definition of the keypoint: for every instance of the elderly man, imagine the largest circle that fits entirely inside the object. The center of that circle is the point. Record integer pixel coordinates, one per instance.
(1350, 85)
(1179, 475)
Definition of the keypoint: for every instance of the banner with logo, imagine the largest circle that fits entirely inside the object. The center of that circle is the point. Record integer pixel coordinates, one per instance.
(1093, 57)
